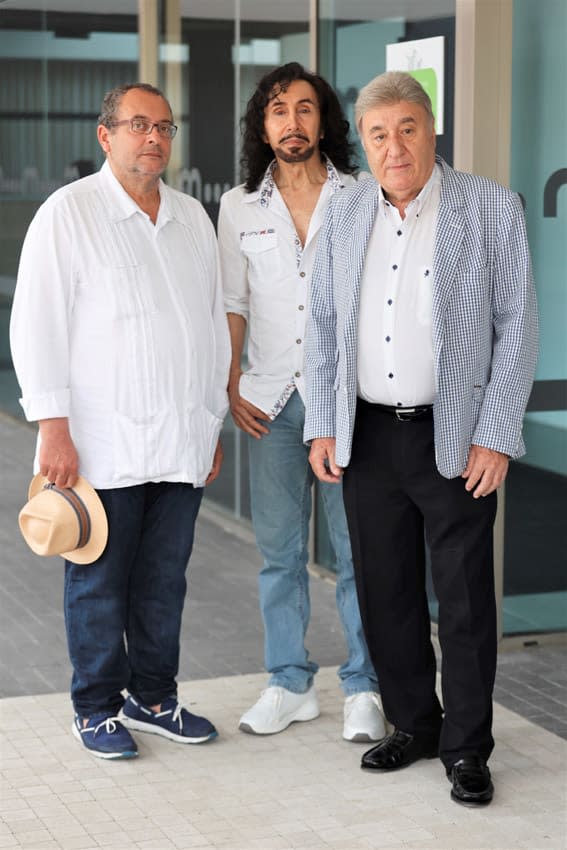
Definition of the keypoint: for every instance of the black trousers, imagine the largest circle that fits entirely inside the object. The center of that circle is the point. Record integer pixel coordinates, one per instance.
(393, 494)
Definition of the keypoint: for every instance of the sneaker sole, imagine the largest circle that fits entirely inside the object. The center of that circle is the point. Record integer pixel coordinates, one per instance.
(299, 718)
(362, 738)
(127, 754)
(140, 726)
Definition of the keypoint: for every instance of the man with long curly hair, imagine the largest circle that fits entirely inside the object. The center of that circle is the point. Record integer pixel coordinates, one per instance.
(296, 155)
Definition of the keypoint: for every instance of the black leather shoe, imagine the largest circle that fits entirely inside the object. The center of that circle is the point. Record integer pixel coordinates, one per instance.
(471, 782)
(399, 750)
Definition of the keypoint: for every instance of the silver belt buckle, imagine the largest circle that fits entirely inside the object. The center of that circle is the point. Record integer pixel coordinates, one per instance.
(400, 414)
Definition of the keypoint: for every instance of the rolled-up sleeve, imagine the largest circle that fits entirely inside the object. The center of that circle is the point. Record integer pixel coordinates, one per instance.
(234, 269)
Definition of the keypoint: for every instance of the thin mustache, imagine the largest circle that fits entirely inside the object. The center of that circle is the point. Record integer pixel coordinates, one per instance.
(294, 136)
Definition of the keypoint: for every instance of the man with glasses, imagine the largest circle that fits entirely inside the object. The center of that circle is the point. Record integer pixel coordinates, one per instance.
(121, 347)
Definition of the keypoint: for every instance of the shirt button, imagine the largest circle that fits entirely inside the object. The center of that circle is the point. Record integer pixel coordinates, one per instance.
(298, 341)
(301, 307)
(394, 267)
(399, 232)
(390, 374)
(388, 338)
(298, 374)
(390, 301)
(301, 274)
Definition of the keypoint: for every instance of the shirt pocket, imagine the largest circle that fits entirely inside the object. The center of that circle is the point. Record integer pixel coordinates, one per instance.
(132, 293)
(203, 429)
(261, 249)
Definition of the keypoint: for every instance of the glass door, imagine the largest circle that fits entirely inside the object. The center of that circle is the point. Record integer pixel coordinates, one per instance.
(535, 545)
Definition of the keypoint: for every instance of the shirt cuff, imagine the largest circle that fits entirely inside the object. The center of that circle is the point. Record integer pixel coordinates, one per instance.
(52, 405)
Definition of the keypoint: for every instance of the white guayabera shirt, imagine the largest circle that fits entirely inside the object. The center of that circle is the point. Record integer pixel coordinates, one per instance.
(118, 324)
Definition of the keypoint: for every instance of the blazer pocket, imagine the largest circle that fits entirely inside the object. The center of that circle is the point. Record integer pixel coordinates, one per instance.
(478, 392)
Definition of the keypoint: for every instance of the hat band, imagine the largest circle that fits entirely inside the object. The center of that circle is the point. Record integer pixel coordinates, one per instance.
(82, 514)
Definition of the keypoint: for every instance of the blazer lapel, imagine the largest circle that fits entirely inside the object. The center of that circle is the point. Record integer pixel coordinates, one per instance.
(448, 241)
(360, 229)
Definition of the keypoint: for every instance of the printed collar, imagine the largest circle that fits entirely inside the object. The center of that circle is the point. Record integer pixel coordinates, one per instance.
(266, 189)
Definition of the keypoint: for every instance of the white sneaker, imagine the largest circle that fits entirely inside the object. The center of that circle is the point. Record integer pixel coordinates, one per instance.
(277, 708)
(363, 718)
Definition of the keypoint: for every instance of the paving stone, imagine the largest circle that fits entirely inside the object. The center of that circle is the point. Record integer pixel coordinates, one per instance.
(300, 789)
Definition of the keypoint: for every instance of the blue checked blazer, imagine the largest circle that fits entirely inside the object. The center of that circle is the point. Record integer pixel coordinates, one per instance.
(484, 319)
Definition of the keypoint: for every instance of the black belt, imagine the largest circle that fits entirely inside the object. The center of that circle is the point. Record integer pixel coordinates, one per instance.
(404, 414)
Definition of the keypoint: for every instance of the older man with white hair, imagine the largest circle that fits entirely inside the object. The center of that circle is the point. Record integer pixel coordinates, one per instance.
(421, 352)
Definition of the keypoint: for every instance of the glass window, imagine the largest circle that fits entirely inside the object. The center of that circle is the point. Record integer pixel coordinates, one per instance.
(55, 67)
(535, 546)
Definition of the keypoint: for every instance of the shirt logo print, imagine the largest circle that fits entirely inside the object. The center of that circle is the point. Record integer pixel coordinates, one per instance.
(245, 233)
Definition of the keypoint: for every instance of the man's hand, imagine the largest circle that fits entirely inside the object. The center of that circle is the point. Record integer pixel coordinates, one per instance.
(248, 417)
(485, 470)
(217, 463)
(322, 460)
(58, 458)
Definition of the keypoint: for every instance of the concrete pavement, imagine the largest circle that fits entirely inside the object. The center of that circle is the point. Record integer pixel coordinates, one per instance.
(300, 789)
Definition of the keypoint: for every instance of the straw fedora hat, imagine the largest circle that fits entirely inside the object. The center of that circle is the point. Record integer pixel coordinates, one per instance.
(70, 522)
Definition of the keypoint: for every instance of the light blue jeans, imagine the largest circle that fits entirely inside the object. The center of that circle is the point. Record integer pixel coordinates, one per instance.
(280, 489)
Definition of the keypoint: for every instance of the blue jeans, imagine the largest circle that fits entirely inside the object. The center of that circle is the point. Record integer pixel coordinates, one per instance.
(280, 490)
(123, 612)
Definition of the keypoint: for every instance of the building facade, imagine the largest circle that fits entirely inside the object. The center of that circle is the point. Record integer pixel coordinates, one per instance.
(496, 71)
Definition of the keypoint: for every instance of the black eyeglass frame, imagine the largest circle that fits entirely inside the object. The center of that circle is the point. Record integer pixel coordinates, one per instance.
(168, 134)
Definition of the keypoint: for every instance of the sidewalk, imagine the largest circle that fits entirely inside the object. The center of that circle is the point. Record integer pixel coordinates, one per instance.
(300, 789)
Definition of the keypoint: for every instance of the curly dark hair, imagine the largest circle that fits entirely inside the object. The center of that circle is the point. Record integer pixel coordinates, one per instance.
(257, 154)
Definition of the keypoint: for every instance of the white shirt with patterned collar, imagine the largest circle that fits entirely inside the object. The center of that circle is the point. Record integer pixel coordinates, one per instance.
(266, 279)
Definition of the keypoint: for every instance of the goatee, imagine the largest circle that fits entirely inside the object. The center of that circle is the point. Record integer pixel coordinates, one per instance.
(295, 154)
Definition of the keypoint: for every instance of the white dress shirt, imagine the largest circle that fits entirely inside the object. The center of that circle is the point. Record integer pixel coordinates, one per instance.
(118, 324)
(266, 278)
(395, 345)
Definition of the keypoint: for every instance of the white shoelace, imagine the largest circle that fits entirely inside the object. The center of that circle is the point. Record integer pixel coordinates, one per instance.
(175, 715)
(109, 723)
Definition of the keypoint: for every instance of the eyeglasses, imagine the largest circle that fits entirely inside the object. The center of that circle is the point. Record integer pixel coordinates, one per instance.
(144, 128)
